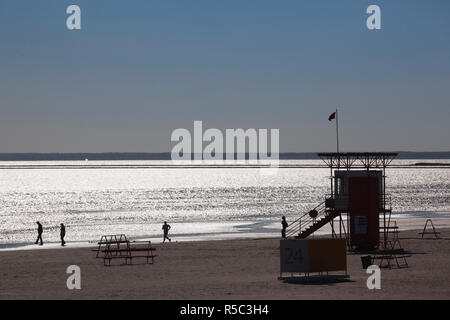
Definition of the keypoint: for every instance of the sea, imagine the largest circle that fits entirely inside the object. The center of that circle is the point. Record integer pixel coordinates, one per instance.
(135, 197)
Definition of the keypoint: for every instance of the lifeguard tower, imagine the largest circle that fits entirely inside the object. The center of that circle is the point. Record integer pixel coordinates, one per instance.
(358, 190)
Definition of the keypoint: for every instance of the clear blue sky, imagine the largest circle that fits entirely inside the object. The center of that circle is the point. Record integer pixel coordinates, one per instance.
(140, 69)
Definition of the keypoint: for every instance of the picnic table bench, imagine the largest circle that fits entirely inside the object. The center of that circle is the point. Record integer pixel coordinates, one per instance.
(392, 252)
(119, 247)
(398, 257)
(135, 249)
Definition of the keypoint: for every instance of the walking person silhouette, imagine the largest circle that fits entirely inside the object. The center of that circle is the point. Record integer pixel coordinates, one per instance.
(284, 224)
(39, 230)
(63, 234)
(166, 227)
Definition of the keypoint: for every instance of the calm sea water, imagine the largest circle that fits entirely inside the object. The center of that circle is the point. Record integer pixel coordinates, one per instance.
(199, 203)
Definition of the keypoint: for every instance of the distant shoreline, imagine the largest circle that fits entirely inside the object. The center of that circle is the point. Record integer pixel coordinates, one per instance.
(432, 164)
(111, 156)
(89, 165)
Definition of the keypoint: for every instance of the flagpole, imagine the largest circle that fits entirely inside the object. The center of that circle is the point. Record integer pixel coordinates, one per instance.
(337, 139)
(337, 132)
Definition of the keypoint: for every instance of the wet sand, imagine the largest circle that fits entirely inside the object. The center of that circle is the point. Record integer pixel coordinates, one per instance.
(225, 269)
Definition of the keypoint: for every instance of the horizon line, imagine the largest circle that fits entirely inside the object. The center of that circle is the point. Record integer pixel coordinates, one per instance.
(105, 156)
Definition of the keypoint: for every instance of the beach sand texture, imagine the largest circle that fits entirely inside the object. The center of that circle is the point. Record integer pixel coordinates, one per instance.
(228, 269)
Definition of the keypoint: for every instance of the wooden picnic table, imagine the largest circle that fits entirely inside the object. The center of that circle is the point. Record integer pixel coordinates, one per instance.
(119, 247)
(135, 249)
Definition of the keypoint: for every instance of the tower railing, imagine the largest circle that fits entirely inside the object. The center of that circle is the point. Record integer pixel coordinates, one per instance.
(305, 220)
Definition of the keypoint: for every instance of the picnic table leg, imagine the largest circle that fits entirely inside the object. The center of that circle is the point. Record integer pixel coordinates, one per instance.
(98, 249)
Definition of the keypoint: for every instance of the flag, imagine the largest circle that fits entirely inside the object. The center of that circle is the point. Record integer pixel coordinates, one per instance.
(332, 116)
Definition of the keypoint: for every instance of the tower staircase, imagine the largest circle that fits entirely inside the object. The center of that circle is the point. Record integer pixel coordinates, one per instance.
(311, 221)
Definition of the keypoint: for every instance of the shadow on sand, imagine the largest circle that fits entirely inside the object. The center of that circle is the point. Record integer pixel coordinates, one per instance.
(379, 252)
(428, 239)
(317, 279)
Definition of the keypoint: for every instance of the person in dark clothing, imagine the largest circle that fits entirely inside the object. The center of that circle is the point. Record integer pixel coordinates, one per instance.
(284, 224)
(63, 234)
(166, 227)
(39, 230)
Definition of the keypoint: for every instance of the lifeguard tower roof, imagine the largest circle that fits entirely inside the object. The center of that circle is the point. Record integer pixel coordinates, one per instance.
(358, 159)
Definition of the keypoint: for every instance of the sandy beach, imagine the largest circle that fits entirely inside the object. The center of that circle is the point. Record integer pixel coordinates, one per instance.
(229, 269)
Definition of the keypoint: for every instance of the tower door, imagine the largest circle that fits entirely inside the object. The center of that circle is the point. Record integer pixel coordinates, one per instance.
(364, 212)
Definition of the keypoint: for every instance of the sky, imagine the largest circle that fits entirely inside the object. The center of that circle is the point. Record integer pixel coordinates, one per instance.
(137, 70)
